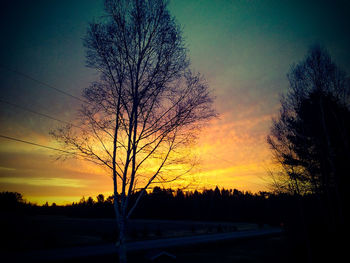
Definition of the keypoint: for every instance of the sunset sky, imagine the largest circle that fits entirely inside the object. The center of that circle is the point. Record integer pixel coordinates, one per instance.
(244, 48)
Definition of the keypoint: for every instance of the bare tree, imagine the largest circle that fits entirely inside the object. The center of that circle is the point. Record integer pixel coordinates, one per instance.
(145, 109)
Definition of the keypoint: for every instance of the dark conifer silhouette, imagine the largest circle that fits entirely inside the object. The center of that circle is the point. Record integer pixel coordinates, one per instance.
(310, 141)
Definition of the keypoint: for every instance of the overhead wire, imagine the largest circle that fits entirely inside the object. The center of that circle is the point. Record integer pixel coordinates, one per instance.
(37, 113)
(42, 83)
(33, 143)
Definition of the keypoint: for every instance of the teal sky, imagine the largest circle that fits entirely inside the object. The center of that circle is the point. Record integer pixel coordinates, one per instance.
(244, 48)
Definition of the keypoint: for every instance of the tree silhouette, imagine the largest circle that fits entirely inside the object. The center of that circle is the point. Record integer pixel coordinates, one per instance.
(305, 138)
(146, 106)
(310, 138)
(100, 198)
(10, 200)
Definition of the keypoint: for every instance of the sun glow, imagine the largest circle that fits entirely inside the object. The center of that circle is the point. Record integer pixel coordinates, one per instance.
(225, 156)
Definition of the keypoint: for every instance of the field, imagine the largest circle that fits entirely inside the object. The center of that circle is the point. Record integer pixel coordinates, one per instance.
(267, 250)
(29, 233)
(43, 232)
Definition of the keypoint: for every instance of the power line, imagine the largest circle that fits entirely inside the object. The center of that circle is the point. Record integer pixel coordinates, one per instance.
(40, 145)
(35, 144)
(42, 83)
(35, 112)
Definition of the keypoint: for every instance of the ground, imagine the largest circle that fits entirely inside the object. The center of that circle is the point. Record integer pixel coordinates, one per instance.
(23, 233)
(29, 233)
(266, 250)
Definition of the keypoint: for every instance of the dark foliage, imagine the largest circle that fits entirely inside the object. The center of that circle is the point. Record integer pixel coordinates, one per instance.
(310, 141)
(300, 216)
(10, 201)
(208, 205)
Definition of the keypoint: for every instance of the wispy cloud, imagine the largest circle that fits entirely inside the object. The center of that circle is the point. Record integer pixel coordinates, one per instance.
(57, 182)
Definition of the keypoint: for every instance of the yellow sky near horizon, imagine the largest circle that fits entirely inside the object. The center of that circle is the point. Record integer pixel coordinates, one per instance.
(229, 157)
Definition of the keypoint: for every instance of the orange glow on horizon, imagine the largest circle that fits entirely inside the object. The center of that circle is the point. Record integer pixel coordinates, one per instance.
(230, 156)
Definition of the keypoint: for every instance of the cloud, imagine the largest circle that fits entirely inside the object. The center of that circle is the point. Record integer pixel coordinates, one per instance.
(44, 181)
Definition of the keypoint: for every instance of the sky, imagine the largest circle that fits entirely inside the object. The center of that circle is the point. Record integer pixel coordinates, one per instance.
(244, 49)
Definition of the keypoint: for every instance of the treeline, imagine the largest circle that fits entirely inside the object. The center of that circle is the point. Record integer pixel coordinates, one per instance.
(302, 217)
(207, 205)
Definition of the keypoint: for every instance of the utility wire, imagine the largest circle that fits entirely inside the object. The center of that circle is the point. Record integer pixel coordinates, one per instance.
(41, 83)
(40, 145)
(35, 112)
(35, 144)
(53, 118)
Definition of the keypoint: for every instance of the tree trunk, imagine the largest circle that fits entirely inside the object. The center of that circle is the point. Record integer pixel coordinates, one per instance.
(122, 245)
